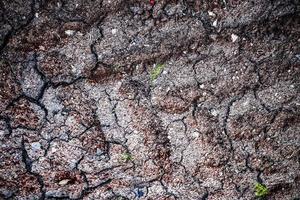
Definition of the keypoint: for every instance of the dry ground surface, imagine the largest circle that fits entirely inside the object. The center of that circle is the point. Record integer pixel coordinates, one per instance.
(126, 99)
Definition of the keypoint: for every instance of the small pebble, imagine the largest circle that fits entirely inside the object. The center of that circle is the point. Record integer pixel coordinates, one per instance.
(69, 32)
(196, 134)
(215, 23)
(234, 37)
(212, 14)
(64, 182)
(214, 113)
(35, 146)
(114, 31)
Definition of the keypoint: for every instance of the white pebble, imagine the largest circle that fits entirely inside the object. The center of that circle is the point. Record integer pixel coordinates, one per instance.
(212, 14)
(215, 23)
(234, 37)
(195, 134)
(114, 31)
(64, 182)
(69, 32)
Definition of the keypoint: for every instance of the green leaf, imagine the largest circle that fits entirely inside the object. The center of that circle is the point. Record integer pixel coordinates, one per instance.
(261, 190)
(156, 71)
(126, 157)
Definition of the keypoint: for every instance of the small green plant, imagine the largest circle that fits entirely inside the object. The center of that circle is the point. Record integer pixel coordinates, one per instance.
(156, 71)
(126, 157)
(261, 190)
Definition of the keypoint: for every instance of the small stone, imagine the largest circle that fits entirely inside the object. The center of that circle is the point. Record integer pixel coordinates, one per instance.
(64, 182)
(69, 32)
(195, 134)
(212, 14)
(215, 23)
(214, 113)
(234, 37)
(114, 31)
(35, 146)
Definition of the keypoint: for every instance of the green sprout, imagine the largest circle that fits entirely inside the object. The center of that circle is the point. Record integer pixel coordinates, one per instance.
(126, 157)
(261, 190)
(156, 71)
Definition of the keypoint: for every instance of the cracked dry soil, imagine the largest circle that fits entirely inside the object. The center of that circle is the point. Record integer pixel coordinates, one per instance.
(80, 117)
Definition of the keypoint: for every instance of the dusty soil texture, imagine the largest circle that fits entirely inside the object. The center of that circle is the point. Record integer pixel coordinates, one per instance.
(138, 99)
